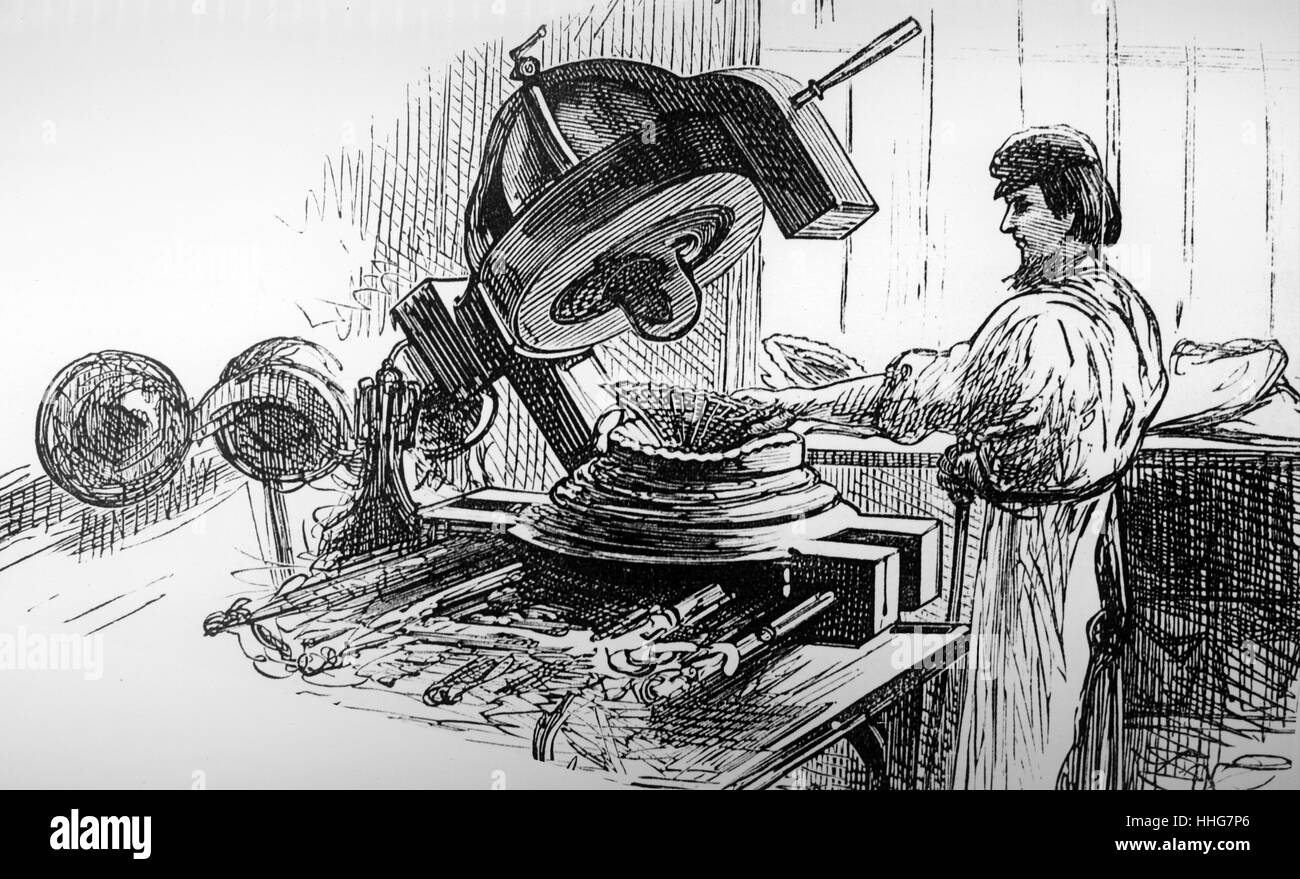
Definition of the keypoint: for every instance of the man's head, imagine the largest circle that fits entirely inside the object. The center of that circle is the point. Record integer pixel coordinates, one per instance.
(1057, 197)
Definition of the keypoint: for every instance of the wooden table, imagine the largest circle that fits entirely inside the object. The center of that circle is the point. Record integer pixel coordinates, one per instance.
(831, 694)
(451, 635)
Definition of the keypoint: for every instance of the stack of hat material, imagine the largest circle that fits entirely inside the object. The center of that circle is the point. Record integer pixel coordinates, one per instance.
(686, 480)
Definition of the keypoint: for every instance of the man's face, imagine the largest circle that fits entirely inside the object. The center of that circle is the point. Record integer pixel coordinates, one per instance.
(1037, 231)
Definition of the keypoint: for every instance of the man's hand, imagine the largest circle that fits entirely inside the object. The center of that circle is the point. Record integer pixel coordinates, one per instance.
(959, 472)
(761, 396)
(787, 405)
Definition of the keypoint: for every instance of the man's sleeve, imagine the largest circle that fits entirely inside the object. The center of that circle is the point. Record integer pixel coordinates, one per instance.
(1017, 377)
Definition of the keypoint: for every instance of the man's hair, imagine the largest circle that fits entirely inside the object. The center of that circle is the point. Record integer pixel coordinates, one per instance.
(1084, 190)
(1064, 163)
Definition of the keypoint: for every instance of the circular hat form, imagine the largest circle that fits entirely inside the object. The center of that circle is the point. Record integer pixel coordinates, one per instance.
(647, 504)
(113, 427)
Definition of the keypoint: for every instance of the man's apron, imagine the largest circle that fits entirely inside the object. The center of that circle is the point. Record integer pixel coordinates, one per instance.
(1047, 578)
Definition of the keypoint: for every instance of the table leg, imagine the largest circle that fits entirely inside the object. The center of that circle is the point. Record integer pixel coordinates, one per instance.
(870, 742)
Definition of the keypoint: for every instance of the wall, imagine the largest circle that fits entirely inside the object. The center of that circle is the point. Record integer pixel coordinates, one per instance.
(1193, 105)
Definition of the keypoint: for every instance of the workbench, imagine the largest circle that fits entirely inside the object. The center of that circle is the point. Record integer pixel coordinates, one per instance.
(458, 634)
(1210, 539)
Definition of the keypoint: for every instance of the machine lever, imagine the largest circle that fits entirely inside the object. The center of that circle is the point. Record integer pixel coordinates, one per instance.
(883, 45)
(526, 67)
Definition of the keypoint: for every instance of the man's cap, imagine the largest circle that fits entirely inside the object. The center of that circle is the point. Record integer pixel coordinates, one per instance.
(1030, 155)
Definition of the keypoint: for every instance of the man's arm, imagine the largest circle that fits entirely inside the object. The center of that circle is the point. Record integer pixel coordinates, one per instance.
(844, 403)
(971, 386)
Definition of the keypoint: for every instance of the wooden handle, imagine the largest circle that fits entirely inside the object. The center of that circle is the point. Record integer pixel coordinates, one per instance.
(883, 45)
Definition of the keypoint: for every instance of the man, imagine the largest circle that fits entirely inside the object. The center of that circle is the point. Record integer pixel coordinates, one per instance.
(1048, 401)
